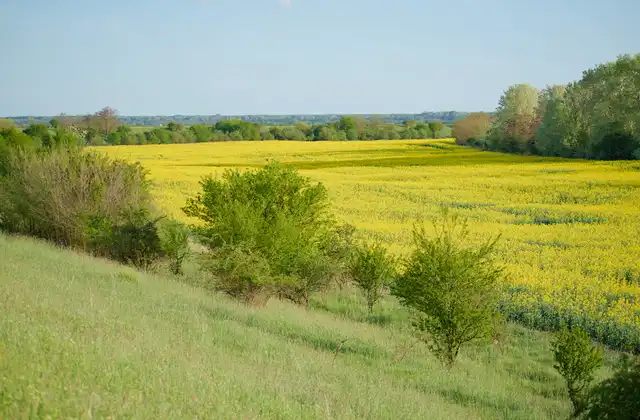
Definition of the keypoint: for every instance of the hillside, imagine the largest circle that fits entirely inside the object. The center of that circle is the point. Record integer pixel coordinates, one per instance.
(83, 338)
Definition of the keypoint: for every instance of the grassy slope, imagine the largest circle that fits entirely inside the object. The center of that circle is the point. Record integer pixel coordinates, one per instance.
(85, 338)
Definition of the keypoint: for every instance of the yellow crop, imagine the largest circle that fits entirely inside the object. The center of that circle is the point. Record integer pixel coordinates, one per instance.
(570, 228)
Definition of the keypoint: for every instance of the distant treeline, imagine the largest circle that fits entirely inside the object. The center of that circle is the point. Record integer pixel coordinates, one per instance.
(105, 128)
(157, 120)
(596, 117)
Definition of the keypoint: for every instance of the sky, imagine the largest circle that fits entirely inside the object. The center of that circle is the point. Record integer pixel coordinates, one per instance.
(234, 57)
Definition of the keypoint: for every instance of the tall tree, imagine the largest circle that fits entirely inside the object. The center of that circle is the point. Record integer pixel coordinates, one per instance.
(515, 120)
(435, 127)
(107, 117)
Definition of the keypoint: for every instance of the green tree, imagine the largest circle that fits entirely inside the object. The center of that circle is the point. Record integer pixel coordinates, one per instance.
(201, 132)
(515, 120)
(555, 134)
(372, 269)
(576, 359)
(173, 126)
(435, 127)
(453, 288)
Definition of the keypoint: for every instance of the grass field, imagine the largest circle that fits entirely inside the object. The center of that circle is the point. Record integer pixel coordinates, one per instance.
(84, 338)
(570, 228)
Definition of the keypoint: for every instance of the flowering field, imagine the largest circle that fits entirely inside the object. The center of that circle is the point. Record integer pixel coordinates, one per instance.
(570, 228)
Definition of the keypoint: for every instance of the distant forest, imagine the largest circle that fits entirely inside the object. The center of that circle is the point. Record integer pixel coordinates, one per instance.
(447, 117)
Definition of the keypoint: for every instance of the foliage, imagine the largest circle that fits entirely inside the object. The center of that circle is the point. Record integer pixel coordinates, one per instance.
(272, 217)
(513, 126)
(135, 242)
(471, 128)
(79, 199)
(453, 287)
(596, 117)
(619, 396)
(576, 359)
(372, 269)
(174, 239)
(436, 127)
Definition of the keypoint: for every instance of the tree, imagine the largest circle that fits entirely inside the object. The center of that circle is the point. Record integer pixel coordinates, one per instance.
(108, 120)
(372, 269)
(473, 127)
(173, 126)
(555, 132)
(453, 288)
(576, 359)
(515, 119)
(201, 132)
(435, 127)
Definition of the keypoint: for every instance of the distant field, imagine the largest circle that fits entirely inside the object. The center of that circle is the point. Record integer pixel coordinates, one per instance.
(570, 228)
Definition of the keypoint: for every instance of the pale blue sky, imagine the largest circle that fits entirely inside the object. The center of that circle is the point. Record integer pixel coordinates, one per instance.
(303, 56)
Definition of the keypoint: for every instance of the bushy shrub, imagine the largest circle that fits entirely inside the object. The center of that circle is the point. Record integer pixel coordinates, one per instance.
(619, 396)
(453, 288)
(372, 269)
(77, 199)
(273, 217)
(174, 239)
(135, 242)
(242, 273)
(576, 359)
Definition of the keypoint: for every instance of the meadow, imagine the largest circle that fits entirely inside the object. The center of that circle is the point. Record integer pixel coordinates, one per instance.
(569, 228)
(86, 338)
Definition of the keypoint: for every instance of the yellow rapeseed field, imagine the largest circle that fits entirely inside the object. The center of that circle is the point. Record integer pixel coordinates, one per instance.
(570, 228)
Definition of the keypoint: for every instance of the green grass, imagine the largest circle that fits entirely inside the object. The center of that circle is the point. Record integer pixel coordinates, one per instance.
(85, 338)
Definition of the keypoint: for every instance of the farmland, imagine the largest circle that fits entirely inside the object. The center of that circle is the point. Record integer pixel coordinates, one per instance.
(569, 228)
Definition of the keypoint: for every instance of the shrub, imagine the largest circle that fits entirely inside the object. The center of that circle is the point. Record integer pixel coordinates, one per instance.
(241, 273)
(619, 396)
(576, 359)
(453, 288)
(136, 242)
(74, 198)
(174, 239)
(272, 216)
(372, 269)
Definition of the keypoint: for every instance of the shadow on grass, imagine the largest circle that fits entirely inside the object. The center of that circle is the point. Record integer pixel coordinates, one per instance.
(482, 401)
(314, 337)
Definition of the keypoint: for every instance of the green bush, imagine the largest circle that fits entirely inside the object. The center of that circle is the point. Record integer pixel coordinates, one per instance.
(136, 242)
(619, 396)
(174, 239)
(77, 199)
(454, 288)
(241, 273)
(372, 269)
(275, 218)
(576, 359)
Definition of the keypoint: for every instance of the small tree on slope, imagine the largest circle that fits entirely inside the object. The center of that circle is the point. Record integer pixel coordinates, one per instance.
(453, 288)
